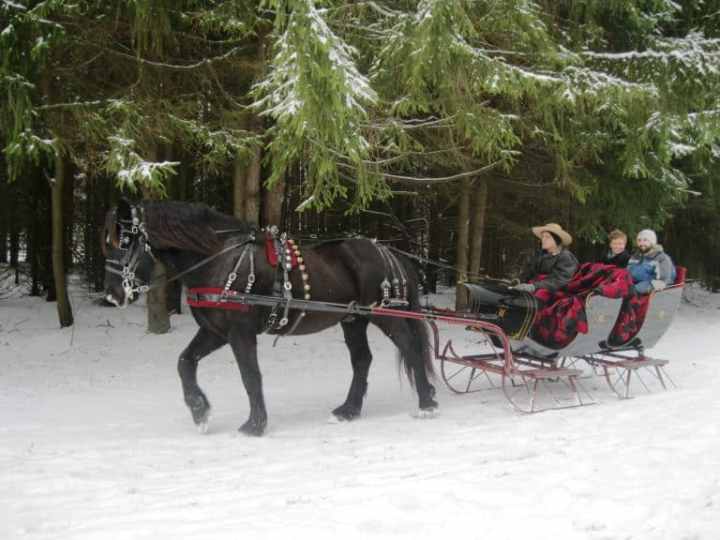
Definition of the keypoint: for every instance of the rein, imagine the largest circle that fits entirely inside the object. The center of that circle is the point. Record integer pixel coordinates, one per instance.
(431, 262)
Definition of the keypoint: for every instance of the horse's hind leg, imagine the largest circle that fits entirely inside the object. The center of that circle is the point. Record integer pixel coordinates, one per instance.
(360, 356)
(201, 345)
(411, 338)
(244, 345)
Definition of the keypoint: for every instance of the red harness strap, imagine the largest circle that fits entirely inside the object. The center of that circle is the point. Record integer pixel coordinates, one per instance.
(212, 297)
(209, 297)
(271, 252)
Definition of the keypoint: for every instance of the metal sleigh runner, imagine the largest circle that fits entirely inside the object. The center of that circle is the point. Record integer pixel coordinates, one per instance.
(535, 377)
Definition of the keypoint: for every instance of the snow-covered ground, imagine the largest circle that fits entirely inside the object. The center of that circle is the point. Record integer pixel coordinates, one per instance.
(96, 443)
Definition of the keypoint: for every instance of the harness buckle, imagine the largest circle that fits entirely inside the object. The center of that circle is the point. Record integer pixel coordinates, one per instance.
(287, 285)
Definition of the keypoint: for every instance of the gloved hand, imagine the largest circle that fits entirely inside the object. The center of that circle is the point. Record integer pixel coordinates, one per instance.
(658, 284)
(525, 287)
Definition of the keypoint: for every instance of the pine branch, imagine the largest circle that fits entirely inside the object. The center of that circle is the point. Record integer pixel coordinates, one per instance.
(178, 67)
(429, 180)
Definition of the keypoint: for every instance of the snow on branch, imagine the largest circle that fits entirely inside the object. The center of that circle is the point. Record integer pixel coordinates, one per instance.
(692, 54)
(8, 5)
(314, 90)
(134, 172)
(286, 86)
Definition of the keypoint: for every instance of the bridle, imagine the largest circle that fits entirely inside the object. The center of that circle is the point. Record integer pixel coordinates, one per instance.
(133, 243)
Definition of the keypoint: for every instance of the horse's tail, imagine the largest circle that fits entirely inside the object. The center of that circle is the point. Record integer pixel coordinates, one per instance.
(419, 330)
(421, 333)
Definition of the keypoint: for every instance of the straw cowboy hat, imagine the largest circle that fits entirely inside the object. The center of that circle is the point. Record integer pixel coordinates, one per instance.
(554, 228)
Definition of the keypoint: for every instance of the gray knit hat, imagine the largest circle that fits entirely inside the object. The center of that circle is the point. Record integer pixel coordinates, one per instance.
(649, 235)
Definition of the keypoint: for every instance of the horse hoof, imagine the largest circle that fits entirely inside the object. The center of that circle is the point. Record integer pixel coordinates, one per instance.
(203, 426)
(201, 417)
(252, 429)
(340, 419)
(426, 413)
(345, 414)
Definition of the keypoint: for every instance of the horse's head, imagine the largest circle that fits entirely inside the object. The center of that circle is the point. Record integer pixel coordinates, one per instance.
(128, 258)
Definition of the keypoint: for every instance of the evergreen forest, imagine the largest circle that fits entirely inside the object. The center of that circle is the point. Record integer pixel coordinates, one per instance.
(444, 127)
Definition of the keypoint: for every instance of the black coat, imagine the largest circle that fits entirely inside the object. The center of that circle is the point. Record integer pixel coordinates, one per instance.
(620, 260)
(559, 269)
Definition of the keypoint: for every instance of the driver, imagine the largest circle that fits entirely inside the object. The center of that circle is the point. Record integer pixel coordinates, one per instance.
(553, 265)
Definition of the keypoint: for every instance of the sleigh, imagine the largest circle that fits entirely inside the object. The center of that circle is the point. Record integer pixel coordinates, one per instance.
(534, 376)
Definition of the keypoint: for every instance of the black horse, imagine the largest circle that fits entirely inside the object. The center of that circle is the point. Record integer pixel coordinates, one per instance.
(205, 247)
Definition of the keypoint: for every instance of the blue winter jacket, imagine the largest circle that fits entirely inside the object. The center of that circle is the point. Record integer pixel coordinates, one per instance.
(653, 265)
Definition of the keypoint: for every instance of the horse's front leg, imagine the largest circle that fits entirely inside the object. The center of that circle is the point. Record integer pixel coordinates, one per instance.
(360, 357)
(201, 345)
(244, 345)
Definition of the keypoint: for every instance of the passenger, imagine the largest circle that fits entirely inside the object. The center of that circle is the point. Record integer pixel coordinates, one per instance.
(650, 267)
(553, 262)
(617, 253)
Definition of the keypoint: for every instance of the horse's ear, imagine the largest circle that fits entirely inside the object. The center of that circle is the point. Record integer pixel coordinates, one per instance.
(124, 210)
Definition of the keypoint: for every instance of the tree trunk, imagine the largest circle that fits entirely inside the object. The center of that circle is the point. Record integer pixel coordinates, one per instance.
(14, 236)
(58, 236)
(463, 229)
(253, 173)
(4, 217)
(157, 311)
(3, 240)
(5, 202)
(273, 206)
(478, 226)
(158, 318)
(437, 241)
(43, 205)
(92, 230)
(102, 204)
(69, 216)
(88, 238)
(34, 248)
(47, 229)
(34, 257)
(239, 189)
(175, 188)
(252, 188)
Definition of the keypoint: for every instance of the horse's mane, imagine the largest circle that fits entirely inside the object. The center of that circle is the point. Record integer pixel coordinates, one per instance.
(189, 226)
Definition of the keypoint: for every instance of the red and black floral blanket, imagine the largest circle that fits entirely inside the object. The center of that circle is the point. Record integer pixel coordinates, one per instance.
(563, 313)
